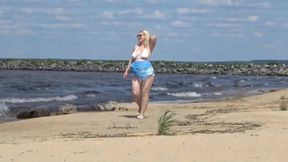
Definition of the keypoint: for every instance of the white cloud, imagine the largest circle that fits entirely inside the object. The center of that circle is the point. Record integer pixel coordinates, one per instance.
(252, 18)
(270, 45)
(52, 11)
(110, 1)
(270, 23)
(184, 11)
(75, 1)
(120, 24)
(219, 2)
(158, 14)
(179, 24)
(200, 11)
(63, 18)
(68, 26)
(128, 12)
(172, 34)
(57, 26)
(153, 1)
(225, 25)
(216, 35)
(236, 35)
(258, 34)
(233, 19)
(107, 14)
(13, 28)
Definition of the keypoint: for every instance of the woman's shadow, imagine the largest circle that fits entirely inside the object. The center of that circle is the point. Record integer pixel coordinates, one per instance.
(129, 116)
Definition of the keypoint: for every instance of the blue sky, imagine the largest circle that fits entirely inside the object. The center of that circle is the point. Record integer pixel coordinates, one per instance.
(187, 30)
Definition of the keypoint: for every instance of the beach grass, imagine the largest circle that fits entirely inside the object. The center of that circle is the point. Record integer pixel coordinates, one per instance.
(165, 122)
(283, 103)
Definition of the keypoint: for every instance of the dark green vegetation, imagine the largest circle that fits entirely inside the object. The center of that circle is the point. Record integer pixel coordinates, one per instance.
(283, 103)
(165, 122)
(269, 67)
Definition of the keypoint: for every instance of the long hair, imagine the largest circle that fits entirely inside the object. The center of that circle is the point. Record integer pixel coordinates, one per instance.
(146, 38)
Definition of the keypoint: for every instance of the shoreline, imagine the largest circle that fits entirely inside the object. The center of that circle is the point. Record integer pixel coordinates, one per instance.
(115, 106)
(242, 129)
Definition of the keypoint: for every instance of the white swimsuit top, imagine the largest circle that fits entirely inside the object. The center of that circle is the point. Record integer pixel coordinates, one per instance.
(140, 56)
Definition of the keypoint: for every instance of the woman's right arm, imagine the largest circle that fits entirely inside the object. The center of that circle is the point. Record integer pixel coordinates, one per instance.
(125, 75)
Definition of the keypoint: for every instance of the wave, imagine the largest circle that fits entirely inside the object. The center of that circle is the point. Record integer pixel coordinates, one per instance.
(198, 85)
(218, 93)
(185, 94)
(159, 89)
(38, 99)
(91, 93)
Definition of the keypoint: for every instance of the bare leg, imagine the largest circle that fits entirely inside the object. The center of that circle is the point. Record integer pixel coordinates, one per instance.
(145, 90)
(136, 92)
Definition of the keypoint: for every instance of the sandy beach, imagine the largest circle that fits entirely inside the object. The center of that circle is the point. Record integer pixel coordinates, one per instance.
(239, 129)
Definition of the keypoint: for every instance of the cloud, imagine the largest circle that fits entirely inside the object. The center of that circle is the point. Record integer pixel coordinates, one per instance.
(128, 12)
(270, 23)
(215, 35)
(158, 14)
(63, 18)
(252, 18)
(13, 28)
(219, 2)
(225, 25)
(120, 24)
(153, 1)
(258, 34)
(179, 24)
(269, 45)
(67, 26)
(60, 26)
(107, 15)
(185, 11)
(50, 11)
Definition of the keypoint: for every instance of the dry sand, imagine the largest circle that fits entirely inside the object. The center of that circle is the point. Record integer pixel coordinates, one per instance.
(250, 129)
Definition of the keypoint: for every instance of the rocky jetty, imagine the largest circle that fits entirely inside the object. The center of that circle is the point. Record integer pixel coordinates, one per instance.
(273, 68)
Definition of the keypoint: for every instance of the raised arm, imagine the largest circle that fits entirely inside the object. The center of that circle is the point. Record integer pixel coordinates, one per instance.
(152, 42)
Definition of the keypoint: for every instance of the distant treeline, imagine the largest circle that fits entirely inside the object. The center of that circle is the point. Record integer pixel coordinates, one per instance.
(255, 67)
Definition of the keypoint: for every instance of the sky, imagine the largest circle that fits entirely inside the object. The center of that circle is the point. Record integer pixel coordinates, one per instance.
(187, 30)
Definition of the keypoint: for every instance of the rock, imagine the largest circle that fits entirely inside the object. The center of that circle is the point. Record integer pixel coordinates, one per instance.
(33, 114)
(109, 106)
(68, 108)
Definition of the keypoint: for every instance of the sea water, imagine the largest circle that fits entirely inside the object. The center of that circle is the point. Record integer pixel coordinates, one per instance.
(20, 90)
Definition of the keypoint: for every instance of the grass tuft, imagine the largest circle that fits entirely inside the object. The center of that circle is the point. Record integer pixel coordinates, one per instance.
(165, 122)
(283, 106)
(283, 103)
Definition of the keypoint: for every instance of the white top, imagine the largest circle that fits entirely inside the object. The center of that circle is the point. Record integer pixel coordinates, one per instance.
(138, 55)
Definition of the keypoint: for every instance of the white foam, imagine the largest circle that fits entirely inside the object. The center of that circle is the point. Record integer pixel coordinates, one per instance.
(218, 93)
(38, 99)
(185, 94)
(159, 89)
(198, 85)
(3, 109)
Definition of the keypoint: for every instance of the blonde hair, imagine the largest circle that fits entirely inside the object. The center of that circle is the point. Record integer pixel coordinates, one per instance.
(146, 38)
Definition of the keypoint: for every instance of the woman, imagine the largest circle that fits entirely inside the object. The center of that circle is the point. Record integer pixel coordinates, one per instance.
(143, 72)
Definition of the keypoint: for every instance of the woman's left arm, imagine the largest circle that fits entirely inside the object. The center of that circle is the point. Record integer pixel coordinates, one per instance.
(152, 42)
